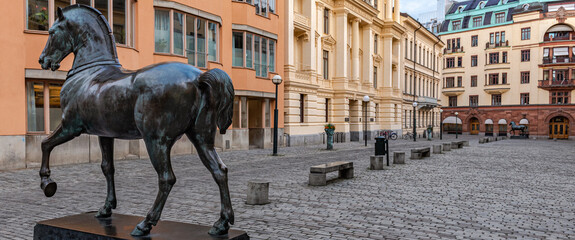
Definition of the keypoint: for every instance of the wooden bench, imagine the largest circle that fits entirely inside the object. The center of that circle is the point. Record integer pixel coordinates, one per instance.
(317, 175)
(418, 153)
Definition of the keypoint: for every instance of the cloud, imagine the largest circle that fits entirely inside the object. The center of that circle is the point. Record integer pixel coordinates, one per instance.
(416, 7)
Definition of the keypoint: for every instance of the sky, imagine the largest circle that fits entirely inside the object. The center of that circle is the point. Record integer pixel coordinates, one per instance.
(416, 7)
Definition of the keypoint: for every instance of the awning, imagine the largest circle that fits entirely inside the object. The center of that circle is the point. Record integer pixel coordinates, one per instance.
(560, 28)
(524, 121)
(488, 121)
(453, 120)
(502, 121)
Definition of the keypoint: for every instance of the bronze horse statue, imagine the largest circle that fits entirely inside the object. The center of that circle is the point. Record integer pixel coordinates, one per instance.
(158, 104)
(514, 127)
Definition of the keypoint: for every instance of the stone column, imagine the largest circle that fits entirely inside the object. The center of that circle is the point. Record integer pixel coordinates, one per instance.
(341, 45)
(367, 57)
(308, 52)
(387, 61)
(396, 72)
(318, 46)
(396, 12)
(289, 36)
(355, 50)
(388, 10)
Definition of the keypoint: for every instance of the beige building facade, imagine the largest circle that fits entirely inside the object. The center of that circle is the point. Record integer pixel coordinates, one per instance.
(343, 50)
(421, 78)
(510, 64)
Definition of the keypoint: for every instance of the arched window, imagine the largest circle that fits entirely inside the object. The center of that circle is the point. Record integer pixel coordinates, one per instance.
(559, 32)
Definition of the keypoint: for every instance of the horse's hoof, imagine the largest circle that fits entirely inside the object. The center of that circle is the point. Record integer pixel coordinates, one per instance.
(141, 230)
(49, 187)
(104, 213)
(220, 228)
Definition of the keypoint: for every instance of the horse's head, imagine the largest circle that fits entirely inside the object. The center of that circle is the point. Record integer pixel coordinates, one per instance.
(59, 44)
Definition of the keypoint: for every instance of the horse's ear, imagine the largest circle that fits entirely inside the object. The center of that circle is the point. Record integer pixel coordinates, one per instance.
(60, 14)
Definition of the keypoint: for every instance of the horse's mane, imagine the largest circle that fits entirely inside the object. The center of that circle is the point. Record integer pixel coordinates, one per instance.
(102, 23)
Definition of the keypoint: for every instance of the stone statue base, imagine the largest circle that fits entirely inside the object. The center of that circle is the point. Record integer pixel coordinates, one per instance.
(86, 226)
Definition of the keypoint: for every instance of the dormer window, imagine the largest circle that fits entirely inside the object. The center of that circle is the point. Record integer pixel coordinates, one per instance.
(481, 5)
(526, 6)
(504, 1)
(460, 9)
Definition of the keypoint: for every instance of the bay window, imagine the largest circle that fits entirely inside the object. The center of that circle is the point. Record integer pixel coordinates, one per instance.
(199, 43)
(263, 54)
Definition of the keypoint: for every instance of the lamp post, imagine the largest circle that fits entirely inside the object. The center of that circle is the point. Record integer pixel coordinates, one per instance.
(414, 121)
(277, 80)
(456, 127)
(366, 101)
(440, 124)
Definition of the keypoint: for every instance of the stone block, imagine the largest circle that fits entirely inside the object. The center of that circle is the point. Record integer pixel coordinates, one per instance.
(376, 162)
(454, 145)
(399, 157)
(446, 147)
(465, 143)
(258, 192)
(437, 149)
(13, 152)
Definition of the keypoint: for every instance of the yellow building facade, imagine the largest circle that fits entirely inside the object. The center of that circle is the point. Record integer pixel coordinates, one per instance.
(343, 51)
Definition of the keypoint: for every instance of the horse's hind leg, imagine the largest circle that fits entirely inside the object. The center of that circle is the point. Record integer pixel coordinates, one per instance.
(204, 143)
(107, 147)
(159, 151)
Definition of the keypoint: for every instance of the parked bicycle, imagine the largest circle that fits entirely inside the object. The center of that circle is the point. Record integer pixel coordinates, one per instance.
(388, 134)
(408, 136)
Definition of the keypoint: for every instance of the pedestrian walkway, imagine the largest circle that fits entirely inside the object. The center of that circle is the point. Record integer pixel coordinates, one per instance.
(503, 189)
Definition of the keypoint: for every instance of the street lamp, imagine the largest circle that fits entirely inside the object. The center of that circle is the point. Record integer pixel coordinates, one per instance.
(456, 127)
(414, 121)
(366, 100)
(277, 80)
(440, 124)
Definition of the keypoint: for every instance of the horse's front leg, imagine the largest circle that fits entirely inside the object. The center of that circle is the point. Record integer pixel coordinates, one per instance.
(59, 136)
(214, 164)
(159, 151)
(107, 148)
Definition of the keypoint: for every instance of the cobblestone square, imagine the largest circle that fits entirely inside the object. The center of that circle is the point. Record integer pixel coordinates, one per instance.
(511, 189)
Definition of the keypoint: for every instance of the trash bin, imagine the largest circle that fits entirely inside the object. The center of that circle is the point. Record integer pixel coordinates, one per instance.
(381, 145)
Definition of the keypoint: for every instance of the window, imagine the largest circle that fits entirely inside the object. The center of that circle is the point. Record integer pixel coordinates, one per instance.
(459, 61)
(473, 100)
(453, 101)
(450, 62)
(526, 33)
(493, 79)
(497, 37)
(456, 25)
(474, 81)
(375, 43)
(375, 77)
(474, 41)
(301, 107)
(259, 53)
(524, 77)
(200, 35)
(559, 97)
(500, 17)
(504, 57)
(459, 81)
(493, 58)
(524, 98)
(496, 99)
(474, 61)
(477, 21)
(525, 55)
(325, 65)
(42, 95)
(449, 82)
(503, 78)
(326, 21)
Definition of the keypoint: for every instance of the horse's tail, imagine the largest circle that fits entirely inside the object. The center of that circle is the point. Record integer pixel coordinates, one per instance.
(220, 95)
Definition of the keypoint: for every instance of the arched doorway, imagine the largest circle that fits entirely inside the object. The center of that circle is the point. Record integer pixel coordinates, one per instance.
(474, 126)
(559, 127)
(488, 127)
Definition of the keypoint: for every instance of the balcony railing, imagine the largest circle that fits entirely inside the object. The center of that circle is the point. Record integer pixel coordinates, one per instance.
(489, 45)
(453, 50)
(557, 83)
(548, 38)
(558, 59)
(427, 100)
(302, 20)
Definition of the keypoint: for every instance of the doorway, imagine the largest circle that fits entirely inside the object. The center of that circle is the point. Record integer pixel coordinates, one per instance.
(559, 128)
(474, 126)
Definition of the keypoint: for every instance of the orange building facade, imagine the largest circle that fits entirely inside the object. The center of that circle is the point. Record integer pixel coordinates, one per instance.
(244, 38)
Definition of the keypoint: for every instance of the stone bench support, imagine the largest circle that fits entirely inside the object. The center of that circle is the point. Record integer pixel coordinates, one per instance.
(379, 162)
(398, 157)
(419, 153)
(437, 149)
(446, 147)
(258, 192)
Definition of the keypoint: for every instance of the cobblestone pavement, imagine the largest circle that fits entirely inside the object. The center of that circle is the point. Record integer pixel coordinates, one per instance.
(512, 189)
